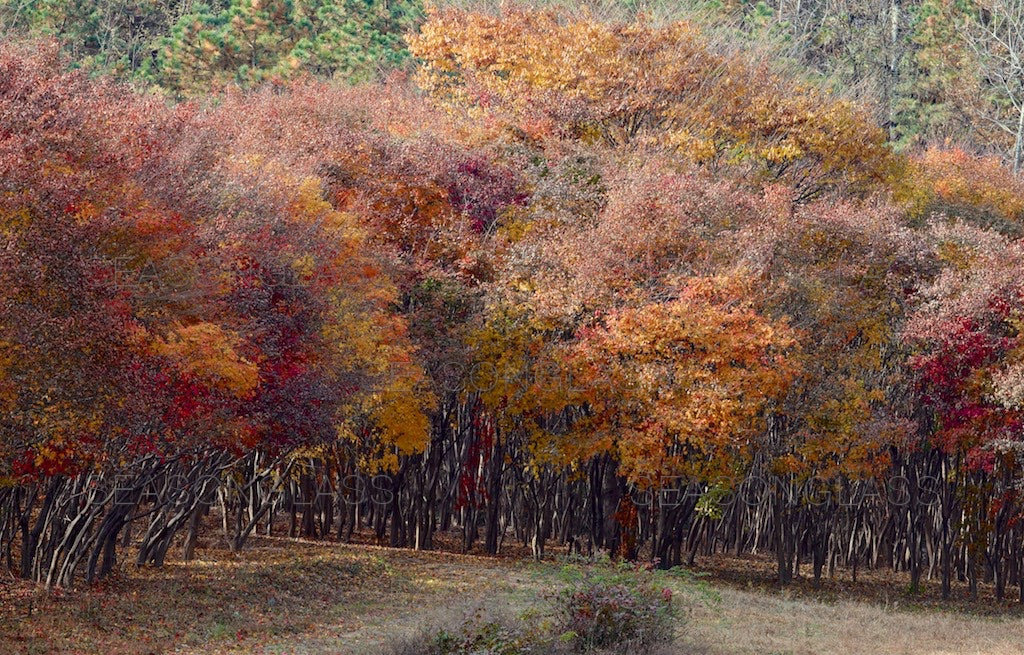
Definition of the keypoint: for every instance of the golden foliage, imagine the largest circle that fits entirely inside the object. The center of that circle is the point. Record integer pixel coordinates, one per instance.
(209, 353)
(638, 84)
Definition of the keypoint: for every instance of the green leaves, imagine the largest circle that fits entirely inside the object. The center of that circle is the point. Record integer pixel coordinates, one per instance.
(250, 42)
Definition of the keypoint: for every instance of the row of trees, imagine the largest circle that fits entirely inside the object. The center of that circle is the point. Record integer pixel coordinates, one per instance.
(592, 284)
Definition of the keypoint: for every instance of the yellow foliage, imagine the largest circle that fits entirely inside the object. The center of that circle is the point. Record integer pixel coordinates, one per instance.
(210, 353)
(635, 83)
(400, 411)
(953, 180)
(8, 391)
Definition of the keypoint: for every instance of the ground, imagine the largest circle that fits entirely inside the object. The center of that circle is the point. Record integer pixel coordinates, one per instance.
(287, 596)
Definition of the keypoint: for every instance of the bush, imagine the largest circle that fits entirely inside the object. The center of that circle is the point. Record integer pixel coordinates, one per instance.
(600, 608)
(482, 633)
(623, 611)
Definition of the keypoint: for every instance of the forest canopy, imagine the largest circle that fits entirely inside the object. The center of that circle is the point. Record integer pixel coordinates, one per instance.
(516, 268)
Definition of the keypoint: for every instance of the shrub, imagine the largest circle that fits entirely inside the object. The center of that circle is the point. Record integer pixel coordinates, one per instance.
(623, 611)
(601, 608)
(480, 634)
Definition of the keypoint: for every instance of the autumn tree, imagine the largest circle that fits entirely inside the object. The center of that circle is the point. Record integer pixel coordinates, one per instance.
(204, 309)
(636, 83)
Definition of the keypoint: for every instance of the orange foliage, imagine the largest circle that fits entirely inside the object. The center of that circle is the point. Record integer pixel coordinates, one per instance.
(682, 387)
(959, 183)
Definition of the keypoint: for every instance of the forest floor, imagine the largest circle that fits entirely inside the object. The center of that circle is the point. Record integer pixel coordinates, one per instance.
(290, 596)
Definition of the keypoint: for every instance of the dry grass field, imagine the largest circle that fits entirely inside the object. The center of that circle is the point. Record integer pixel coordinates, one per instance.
(282, 596)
